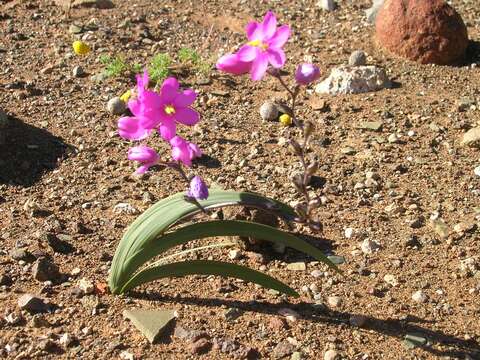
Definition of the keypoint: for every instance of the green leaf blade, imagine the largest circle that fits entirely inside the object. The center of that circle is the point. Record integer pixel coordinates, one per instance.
(205, 267)
(167, 212)
(218, 228)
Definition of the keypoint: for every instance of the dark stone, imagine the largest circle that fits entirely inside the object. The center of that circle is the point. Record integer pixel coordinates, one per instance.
(201, 346)
(22, 254)
(283, 349)
(32, 304)
(45, 270)
(59, 243)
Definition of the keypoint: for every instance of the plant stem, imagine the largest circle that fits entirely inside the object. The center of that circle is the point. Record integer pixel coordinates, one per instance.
(293, 94)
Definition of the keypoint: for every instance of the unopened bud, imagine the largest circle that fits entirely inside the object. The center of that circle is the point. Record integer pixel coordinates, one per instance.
(308, 129)
(312, 168)
(297, 149)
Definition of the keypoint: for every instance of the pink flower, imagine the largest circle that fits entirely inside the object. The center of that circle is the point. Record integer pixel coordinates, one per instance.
(230, 63)
(306, 73)
(160, 111)
(175, 107)
(184, 151)
(198, 189)
(264, 47)
(147, 104)
(144, 155)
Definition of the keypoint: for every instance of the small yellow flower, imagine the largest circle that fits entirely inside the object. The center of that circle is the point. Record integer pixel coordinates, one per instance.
(126, 96)
(286, 120)
(80, 48)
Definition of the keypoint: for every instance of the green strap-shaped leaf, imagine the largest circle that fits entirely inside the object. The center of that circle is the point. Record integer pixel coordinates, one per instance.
(211, 229)
(158, 218)
(203, 267)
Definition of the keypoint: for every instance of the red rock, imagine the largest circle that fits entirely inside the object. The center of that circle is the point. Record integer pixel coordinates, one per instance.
(426, 31)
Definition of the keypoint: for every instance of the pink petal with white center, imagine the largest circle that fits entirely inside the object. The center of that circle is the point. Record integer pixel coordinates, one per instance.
(280, 38)
(276, 57)
(259, 67)
(185, 99)
(187, 116)
(248, 53)
(269, 25)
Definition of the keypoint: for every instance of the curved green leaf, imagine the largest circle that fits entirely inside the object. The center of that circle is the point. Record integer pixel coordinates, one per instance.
(211, 229)
(203, 267)
(167, 212)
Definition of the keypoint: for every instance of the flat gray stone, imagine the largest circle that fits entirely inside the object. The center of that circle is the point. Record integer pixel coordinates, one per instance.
(472, 137)
(150, 323)
(371, 125)
(297, 266)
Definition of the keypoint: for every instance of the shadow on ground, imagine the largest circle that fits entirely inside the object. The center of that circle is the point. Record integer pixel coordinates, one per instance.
(453, 347)
(28, 152)
(472, 55)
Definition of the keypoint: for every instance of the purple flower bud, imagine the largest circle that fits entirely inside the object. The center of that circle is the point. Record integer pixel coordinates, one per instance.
(198, 189)
(306, 73)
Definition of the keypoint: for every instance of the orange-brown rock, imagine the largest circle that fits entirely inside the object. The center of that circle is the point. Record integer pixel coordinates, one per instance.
(426, 31)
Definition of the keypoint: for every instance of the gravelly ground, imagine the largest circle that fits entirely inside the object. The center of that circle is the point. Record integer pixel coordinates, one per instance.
(62, 154)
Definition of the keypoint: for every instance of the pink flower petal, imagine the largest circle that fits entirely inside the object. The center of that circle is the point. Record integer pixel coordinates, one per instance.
(143, 154)
(167, 129)
(195, 151)
(129, 128)
(150, 121)
(143, 169)
(280, 38)
(187, 116)
(276, 57)
(169, 89)
(182, 154)
(247, 53)
(185, 99)
(259, 67)
(230, 63)
(269, 25)
(253, 31)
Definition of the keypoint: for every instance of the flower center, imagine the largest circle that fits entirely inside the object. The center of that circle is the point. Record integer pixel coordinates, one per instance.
(259, 44)
(169, 109)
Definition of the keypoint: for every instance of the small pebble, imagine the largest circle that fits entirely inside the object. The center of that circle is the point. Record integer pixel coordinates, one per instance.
(78, 71)
(334, 301)
(357, 58)
(116, 106)
(330, 355)
(419, 296)
(268, 111)
(327, 5)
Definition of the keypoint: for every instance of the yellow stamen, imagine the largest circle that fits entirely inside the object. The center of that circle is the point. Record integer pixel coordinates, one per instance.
(169, 109)
(258, 43)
